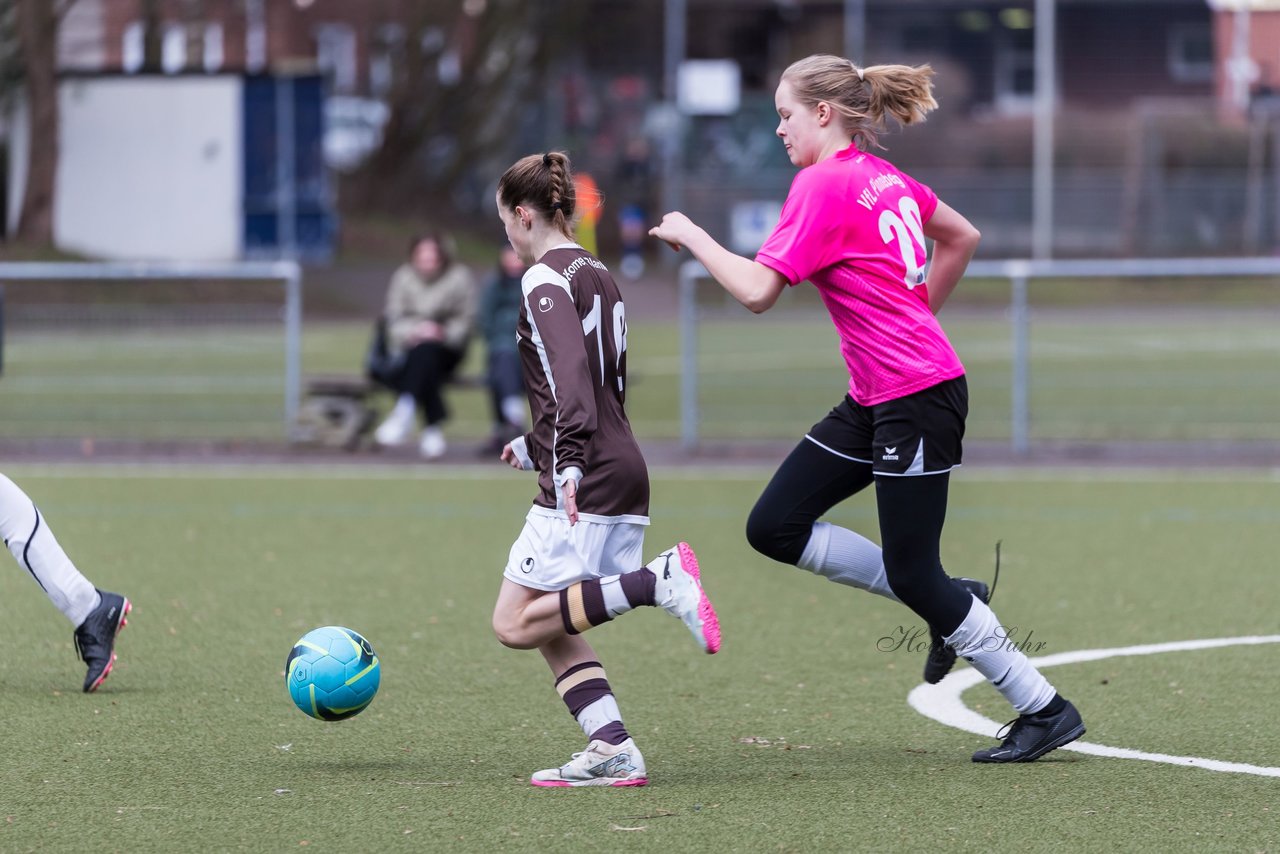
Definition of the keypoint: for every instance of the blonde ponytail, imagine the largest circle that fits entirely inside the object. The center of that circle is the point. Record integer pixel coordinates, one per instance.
(863, 97)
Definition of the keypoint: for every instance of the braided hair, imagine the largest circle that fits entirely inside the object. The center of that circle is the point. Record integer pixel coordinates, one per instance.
(544, 183)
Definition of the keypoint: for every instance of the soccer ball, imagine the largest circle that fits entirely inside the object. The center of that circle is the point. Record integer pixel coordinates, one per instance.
(332, 673)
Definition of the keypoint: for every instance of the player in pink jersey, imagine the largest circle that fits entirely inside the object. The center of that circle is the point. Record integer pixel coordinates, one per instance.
(855, 226)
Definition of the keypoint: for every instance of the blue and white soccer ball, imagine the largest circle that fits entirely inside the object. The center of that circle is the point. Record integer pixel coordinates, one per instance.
(332, 673)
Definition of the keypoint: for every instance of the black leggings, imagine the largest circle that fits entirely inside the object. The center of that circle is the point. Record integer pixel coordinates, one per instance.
(428, 367)
(912, 512)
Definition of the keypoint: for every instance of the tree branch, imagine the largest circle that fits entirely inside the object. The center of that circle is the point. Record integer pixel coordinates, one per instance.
(61, 9)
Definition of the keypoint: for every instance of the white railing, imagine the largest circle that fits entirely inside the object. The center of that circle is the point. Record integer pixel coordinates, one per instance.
(287, 272)
(1019, 274)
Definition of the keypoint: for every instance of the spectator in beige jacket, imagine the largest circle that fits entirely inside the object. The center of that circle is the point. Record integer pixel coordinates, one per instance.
(429, 315)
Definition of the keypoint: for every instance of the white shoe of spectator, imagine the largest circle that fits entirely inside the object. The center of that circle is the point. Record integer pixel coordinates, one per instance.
(432, 445)
(398, 426)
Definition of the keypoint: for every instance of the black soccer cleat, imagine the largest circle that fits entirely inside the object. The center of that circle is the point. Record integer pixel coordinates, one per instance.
(1031, 736)
(95, 639)
(941, 657)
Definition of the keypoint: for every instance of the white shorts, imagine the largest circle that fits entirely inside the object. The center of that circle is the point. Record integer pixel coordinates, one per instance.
(550, 554)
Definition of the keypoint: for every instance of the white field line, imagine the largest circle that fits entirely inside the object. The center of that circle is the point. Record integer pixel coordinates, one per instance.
(943, 703)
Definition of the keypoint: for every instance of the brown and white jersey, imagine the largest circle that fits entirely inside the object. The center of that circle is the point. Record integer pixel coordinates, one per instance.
(572, 336)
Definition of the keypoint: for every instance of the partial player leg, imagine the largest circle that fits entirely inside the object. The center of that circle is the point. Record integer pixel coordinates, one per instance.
(941, 658)
(97, 615)
(912, 512)
(1046, 720)
(784, 523)
(38, 552)
(611, 757)
(524, 618)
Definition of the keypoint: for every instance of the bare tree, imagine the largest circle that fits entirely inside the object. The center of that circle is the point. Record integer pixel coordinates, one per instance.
(152, 35)
(37, 31)
(460, 78)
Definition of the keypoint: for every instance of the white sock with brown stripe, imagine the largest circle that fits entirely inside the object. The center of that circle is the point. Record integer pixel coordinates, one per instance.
(585, 690)
(598, 600)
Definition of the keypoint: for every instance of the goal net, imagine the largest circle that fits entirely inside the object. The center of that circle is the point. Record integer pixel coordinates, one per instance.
(149, 352)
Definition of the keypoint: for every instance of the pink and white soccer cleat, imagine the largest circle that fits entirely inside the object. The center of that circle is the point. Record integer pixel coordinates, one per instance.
(679, 592)
(600, 764)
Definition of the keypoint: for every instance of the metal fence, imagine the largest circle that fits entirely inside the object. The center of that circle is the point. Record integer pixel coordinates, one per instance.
(84, 358)
(1178, 361)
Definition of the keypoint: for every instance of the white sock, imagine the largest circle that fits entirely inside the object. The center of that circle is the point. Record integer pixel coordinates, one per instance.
(985, 644)
(404, 406)
(846, 558)
(36, 549)
(513, 410)
(615, 599)
(599, 713)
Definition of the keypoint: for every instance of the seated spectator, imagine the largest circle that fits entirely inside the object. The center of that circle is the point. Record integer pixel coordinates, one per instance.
(428, 319)
(499, 312)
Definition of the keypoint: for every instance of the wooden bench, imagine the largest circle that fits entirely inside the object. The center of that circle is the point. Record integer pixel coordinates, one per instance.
(337, 410)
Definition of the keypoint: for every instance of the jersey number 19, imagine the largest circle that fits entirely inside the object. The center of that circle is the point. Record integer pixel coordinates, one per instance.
(591, 323)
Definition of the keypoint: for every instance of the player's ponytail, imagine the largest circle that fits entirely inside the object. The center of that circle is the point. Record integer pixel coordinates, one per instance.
(562, 197)
(863, 97)
(543, 182)
(902, 91)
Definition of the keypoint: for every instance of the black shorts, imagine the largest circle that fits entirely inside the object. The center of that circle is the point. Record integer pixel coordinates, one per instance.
(917, 434)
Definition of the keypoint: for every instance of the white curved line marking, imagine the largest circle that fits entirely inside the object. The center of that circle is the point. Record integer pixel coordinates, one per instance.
(942, 702)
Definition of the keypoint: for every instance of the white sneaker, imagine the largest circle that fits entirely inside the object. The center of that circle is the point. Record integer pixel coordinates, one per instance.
(397, 428)
(679, 592)
(432, 445)
(599, 765)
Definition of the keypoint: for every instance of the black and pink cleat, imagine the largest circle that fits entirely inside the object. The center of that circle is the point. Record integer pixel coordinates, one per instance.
(95, 639)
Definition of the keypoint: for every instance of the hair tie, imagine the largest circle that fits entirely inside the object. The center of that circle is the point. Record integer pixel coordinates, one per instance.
(546, 160)
(859, 70)
(558, 206)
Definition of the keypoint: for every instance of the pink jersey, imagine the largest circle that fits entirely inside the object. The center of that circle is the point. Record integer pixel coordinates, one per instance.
(854, 226)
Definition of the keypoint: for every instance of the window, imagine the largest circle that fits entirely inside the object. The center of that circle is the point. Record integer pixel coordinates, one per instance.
(1190, 53)
(1015, 69)
(173, 49)
(336, 55)
(389, 45)
(131, 51)
(212, 47)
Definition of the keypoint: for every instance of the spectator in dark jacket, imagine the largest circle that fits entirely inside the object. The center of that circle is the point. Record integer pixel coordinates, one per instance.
(499, 311)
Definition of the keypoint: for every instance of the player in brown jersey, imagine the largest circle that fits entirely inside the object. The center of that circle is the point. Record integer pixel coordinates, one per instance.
(578, 562)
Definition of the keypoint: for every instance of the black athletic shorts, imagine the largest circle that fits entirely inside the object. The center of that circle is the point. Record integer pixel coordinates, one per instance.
(917, 434)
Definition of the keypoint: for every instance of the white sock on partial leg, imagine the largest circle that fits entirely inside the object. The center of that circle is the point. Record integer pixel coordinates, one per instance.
(404, 406)
(982, 642)
(514, 410)
(598, 714)
(33, 545)
(846, 558)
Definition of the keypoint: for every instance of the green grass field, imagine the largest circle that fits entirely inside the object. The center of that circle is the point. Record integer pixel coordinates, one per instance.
(797, 737)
